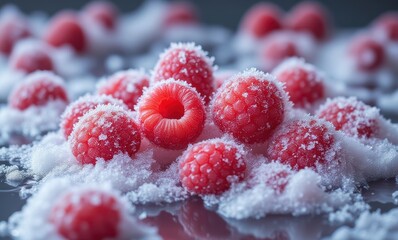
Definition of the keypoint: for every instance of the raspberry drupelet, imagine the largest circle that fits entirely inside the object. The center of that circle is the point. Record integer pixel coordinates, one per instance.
(249, 106)
(171, 114)
(125, 85)
(103, 133)
(38, 89)
(211, 166)
(189, 63)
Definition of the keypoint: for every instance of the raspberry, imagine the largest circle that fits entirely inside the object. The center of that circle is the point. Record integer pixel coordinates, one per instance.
(84, 104)
(31, 56)
(301, 81)
(211, 166)
(126, 86)
(65, 29)
(309, 17)
(261, 19)
(88, 214)
(302, 143)
(189, 63)
(38, 89)
(367, 53)
(178, 13)
(387, 25)
(249, 106)
(104, 132)
(351, 116)
(12, 29)
(104, 13)
(222, 76)
(171, 114)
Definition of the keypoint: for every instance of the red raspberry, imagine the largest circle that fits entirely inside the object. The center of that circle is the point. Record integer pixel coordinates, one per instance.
(211, 166)
(12, 29)
(38, 89)
(261, 19)
(301, 81)
(351, 116)
(249, 106)
(302, 143)
(89, 214)
(104, 13)
(178, 13)
(367, 53)
(104, 132)
(309, 17)
(171, 114)
(126, 86)
(222, 76)
(31, 56)
(65, 29)
(84, 104)
(188, 63)
(387, 25)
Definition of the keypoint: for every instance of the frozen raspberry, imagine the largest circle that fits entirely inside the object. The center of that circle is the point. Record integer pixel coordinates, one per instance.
(309, 17)
(84, 104)
(12, 29)
(387, 25)
(367, 53)
(38, 89)
(261, 19)
(249, 106)
(301, 81)
(302, 143)
(65, 29)
(89, 214)
(351, 116)
(171, 114)
(211, 166)
(126, 86)
(104, 132)
(188, 63)
(222, 76)
(178, 13)
(31, 56)
(104, 13)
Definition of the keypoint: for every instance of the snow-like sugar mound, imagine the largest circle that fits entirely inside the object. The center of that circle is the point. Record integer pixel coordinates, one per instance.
(35, 214)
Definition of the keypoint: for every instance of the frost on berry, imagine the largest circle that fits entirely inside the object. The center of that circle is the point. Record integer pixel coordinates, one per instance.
(351, 116)
(103, 133)
(13, 28)
(366, 53)
(211, 166)
(302, 143)
(273, 175)
(38, 89)
(302, 82)
(81, 106)
(171, 114)
(186, 62)
(103, 13)
(249, 106)
(125, 85)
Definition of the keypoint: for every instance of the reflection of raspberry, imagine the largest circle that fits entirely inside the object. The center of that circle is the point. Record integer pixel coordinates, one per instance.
(387, 25)
(209, 167)
(38, 89)
(104, 13)
(126, 86)
(350, 116)
(65, 29)
(367, 53)
(171, 114)
(12, 29)
(302, 143)
(104, 132)
(31, 57)
(301, 81)
(249, 106)
(309, 17)
(78, 108)
(180, 13)
(261, 19)
(88, 214)
(188, 63)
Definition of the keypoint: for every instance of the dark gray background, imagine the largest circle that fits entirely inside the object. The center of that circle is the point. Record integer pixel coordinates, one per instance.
(228, 12)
